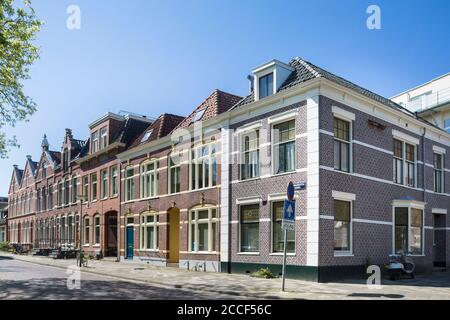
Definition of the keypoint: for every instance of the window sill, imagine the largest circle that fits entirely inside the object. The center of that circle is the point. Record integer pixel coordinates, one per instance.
(248, 253)
(86, 245)
(149, 250)
(249, 179)
(202, 189)
(289, 254)
(149, 198)
(338, 254)
(96, 245)
(282, 173)
(203, 252)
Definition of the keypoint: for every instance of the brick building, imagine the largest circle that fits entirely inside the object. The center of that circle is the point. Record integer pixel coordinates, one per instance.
(206, 191)
(3, 219)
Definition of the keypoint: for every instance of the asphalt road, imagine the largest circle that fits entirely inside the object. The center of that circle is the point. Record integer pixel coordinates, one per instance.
(24, 280)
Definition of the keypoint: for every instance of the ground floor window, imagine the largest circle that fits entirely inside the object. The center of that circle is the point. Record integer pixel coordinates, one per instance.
(342, 225)
(149, 232)
(202, 230)
(249, 221)
(87, 232)
(278, 232)
(96, 230)
(408, 230)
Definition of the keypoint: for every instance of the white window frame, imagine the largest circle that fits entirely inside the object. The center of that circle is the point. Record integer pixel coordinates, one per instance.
(405, 162)
(211, 232)
(410, 205)
(351, 198)
(149, 190)
(271, 201)
(290, 116)
(143, 230)
(169, 172)
(103, 138)
(210, 157)
(129, 184)
(242, 152)
(348, 117)
(97, 216)
(442, 172)
(114, 185)
(104, 186)
(95, 142)
(247, 202)
(86, 231)
(92, 186)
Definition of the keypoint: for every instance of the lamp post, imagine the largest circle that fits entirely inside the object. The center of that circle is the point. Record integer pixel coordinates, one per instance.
(80, 240)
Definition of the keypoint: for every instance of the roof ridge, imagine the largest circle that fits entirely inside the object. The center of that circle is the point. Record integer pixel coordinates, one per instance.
(308, 67)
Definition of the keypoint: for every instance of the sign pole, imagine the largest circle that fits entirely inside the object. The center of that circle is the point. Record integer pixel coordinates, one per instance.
(284, 259)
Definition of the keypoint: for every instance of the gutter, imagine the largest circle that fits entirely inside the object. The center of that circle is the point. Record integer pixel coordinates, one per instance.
(100, 152)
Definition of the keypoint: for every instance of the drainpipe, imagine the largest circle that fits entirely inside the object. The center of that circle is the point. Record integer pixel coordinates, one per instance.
(119, 212)
(423, 165)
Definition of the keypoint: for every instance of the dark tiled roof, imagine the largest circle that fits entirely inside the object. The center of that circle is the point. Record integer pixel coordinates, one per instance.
(19, 175)
(218, 102)
(130, 130)
(56, 157)
(161, 127)
(305, 71)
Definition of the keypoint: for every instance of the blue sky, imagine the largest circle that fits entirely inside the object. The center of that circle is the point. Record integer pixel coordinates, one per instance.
(151, 57)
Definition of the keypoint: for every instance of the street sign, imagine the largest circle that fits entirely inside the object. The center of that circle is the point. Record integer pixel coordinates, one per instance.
(290, 191)
(288, 222)
(300, 186)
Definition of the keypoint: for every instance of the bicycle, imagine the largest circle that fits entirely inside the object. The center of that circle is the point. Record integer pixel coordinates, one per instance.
(84, 259)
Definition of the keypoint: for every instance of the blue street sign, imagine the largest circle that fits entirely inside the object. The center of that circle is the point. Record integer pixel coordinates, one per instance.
(289, 214)
(300, 186)
(290, 191)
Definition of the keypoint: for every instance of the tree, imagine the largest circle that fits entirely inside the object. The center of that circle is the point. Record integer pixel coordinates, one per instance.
(18, 28)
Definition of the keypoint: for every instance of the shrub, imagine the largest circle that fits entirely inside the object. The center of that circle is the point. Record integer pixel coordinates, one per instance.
(263, 273)
(4, 246)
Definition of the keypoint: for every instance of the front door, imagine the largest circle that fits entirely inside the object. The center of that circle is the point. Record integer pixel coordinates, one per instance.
(174, 235)
(130, 242)
(111, 235)
(439, 240)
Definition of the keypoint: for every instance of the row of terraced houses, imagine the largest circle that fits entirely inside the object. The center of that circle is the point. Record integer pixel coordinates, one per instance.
(206, 191)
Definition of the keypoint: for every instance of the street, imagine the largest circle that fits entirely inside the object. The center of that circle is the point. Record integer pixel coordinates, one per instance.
(25, 280)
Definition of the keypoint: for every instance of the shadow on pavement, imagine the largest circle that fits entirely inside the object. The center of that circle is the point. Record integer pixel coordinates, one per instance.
(376, 295)
(56, 289)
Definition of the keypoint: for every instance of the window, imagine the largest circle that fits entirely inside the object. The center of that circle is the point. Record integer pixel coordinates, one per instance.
(408, 230)
(342, 226)
(174, 174)
(44, 170)
(60, 194)
(250, 154)
(278, 232)
(103, 138)
(96, 230)
(404, 163)
(38, 204)
(342, 145)
(266, 86)
(70, 228)
(114, 181)
(50, 197)
(149, 232)
(87, 231)
(94, 146)
(447, 125)
(202, 230)
(129, 184)
(398, 161)
(65, 160)
(66, 192)
(203, 167)
(104, 184)
(149, 179)
(94, 186)
(146, 135)
(86, 188)
(249, 228)
(63, 229)
(284, 147)
(438, 173)
(74, 190)
(44, 200)
(199, 115)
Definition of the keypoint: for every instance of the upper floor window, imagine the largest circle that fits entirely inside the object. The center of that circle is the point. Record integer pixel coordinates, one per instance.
(44, 170)
(86, 188)
(146, 135)
(65, 160)
(114, 181)
(104, 184)
(198, 115)
(447, 125)
(94, 186)
(38, 200)
(44, 199)
(438, 172)
(103, 138)
(74, 190)
(50, 197)
(174, 174)
(203, 167)
(284, 147)
(129, 184)
(266, 86)
(250, 155)
(66, 192)
(404, 163)
(342, 145)
(94, 138)
(60, 194)
(149, 179)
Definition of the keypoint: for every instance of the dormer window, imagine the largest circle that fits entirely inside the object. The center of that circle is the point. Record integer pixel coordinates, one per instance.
(266, 86)
(94, 147)
(103, 138)
(147, 135)
(199, 115)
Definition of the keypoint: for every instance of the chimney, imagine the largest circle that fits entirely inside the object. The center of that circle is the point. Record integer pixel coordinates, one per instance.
(28, 157)
(44, 143)
(251, 79)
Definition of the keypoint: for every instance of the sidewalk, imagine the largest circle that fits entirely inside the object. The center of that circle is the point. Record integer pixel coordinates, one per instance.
(436, 286)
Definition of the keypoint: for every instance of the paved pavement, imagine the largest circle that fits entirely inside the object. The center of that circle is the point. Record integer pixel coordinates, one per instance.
(436, 286)
(24, 280)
